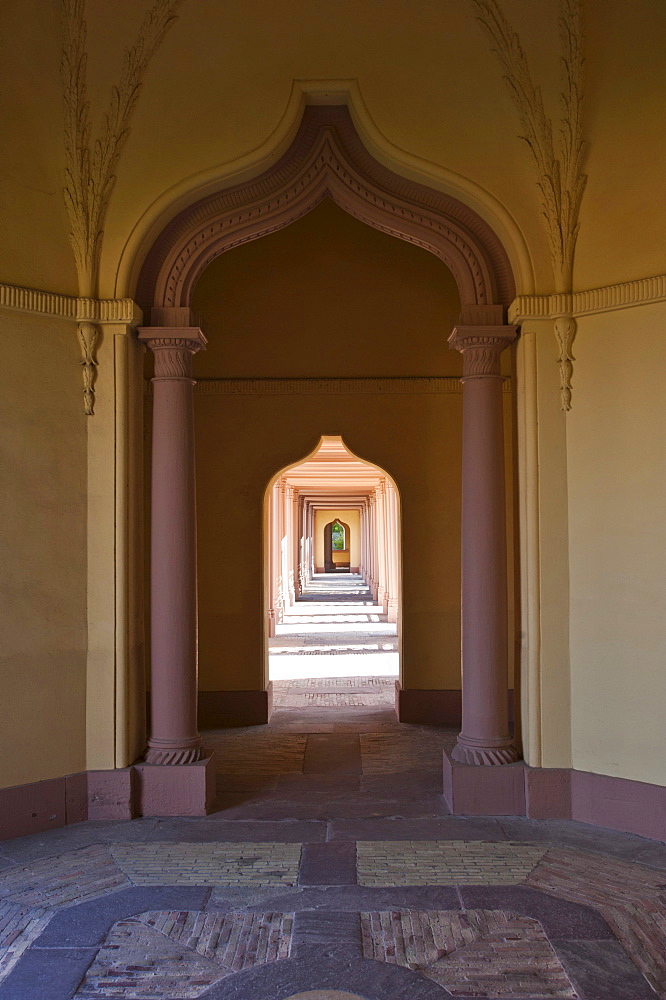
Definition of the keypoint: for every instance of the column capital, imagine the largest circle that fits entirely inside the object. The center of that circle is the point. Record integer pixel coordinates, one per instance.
(481, 347)
(174, 348)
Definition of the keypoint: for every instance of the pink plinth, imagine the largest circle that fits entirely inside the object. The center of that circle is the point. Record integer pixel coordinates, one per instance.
(178, 790)
(470, 790)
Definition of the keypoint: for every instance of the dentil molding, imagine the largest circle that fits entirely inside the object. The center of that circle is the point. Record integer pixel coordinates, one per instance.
(416, 385)
(608, 298)
(79, 309)
(595, 300)
(87, 313)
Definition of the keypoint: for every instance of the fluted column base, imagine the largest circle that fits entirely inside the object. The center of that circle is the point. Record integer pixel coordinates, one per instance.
(503, 753)
(174, 755)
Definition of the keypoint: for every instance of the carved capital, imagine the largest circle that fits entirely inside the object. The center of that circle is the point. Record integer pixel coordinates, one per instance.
(173, 348)
(481, 347)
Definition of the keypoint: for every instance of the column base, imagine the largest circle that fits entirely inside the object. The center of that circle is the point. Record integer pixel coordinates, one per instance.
(392, 612)
(471, 790)
(488, 756)
(175, 790)
(176, 756)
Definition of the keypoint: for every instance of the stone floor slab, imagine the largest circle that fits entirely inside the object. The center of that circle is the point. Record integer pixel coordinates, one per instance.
(47, 973)
(328, 864)
(214, 828)
(440, 828)
(88, 924)
(600, 970)
(558, 917)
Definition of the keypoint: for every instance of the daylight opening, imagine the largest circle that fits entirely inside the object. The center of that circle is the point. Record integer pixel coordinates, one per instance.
(333, 575)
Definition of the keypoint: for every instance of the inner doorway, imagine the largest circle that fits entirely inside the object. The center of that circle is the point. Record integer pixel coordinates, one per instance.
(333, 575)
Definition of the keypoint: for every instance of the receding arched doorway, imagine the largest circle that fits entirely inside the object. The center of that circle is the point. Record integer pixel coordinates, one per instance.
(321, 623)
(337, 547)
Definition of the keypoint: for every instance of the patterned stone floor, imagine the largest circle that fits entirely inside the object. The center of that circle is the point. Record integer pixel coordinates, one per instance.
(331, 870)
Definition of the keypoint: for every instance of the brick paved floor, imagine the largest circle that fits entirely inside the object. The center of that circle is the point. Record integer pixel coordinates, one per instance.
(331, 870)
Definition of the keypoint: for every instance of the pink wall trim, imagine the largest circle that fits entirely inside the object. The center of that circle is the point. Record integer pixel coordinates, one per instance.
(556, 793)
(630, 806)
(441, 707)
(43, 805)
(601, 800)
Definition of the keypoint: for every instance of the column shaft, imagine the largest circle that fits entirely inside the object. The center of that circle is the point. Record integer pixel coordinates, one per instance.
(174, 737)
(485, 737)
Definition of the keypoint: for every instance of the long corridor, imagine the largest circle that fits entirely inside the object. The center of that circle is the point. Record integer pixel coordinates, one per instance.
(331, 864)
(334, 647)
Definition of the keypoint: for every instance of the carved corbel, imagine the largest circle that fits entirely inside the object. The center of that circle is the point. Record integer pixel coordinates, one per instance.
(88, 336)
(565, 331)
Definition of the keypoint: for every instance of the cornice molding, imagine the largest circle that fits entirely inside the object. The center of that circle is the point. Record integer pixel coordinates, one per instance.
(88, 314)
(72, 307)
(414, 385)
(608, 298)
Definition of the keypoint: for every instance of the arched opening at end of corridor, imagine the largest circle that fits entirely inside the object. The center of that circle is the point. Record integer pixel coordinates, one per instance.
(332, 582)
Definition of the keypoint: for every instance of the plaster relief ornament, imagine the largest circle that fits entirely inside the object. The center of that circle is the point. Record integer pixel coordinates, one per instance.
(90, 167)
(560, 175)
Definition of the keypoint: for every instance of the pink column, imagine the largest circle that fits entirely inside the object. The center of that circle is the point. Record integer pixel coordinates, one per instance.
(485, 737)
(272, 558)
(174, 737)
(392, 535)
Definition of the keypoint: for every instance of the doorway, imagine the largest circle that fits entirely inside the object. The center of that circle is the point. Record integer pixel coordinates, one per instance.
(333, 582)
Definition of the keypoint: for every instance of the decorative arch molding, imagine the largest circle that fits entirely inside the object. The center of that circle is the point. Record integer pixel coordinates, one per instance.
(327, 159)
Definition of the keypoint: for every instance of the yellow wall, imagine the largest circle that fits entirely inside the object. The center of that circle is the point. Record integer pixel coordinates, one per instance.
(43, 524)
(327, 296)
(428, 77)
(350, 518)
(433, 89)
(617, 535)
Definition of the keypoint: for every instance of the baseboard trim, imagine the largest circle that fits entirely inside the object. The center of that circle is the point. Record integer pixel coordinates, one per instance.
(434, 707)
(514, 789)
(556, 793)
(43, 805)
(228, 709)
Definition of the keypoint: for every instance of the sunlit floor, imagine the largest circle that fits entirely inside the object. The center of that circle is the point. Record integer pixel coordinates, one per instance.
(335, 629)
